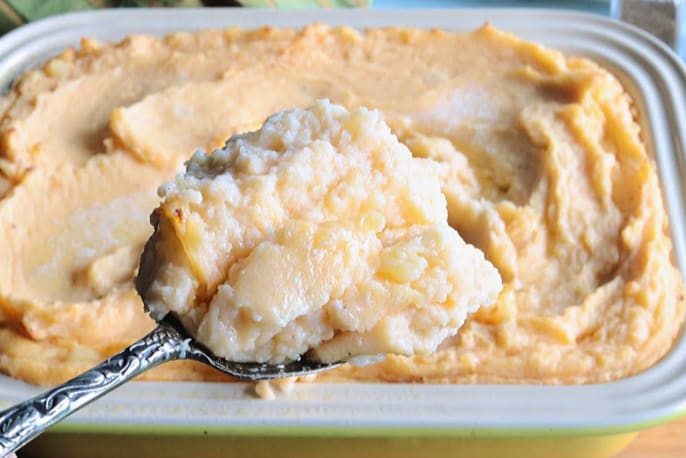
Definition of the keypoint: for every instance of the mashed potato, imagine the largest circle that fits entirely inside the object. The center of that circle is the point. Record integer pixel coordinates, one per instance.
(538, 155)
(317, 232)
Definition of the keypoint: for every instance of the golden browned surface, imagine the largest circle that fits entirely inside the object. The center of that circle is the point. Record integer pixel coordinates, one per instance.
(539, 156)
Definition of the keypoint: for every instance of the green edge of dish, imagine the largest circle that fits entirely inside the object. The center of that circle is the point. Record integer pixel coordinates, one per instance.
(360, 432)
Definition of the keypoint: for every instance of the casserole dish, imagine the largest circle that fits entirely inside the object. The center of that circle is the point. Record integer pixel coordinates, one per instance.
(172, 419)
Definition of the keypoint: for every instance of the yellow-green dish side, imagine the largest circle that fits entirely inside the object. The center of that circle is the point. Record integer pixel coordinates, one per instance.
(73, 440)
(211, 446)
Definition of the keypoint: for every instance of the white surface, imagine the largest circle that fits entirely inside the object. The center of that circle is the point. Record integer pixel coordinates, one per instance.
(647, 68)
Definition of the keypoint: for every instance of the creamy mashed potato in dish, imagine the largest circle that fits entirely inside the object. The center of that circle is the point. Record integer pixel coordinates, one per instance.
(538, 154)
(318, 232)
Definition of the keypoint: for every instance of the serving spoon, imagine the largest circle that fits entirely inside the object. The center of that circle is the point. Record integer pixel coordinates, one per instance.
(167, 342)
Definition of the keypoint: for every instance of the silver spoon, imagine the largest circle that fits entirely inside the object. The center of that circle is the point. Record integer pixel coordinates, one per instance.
(168, 342)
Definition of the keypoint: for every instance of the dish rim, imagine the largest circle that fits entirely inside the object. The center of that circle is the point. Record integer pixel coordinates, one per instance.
(653, 396)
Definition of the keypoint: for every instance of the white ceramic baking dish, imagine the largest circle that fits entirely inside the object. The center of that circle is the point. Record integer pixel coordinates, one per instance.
(169, 419)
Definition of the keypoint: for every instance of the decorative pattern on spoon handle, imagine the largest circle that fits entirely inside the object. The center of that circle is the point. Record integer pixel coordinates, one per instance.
(21, 423)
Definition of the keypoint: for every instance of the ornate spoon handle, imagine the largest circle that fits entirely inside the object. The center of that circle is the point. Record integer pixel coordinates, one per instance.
(21, 423)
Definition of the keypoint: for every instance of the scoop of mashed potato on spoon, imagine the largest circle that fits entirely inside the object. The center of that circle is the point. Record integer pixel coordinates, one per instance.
(318, 233)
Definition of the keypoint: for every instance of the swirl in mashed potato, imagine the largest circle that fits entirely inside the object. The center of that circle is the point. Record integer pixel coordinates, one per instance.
(539, 157)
